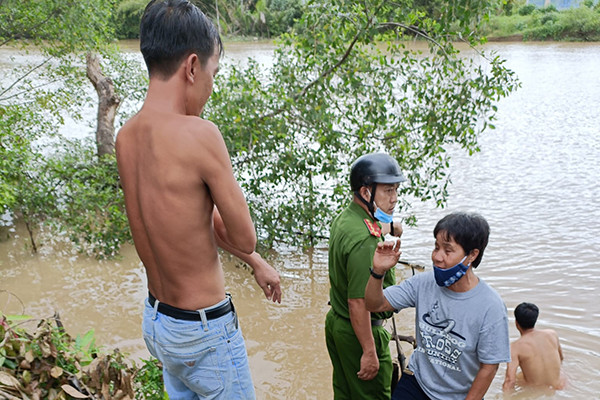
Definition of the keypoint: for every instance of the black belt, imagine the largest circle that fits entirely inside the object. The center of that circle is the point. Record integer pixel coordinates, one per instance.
(187, 315)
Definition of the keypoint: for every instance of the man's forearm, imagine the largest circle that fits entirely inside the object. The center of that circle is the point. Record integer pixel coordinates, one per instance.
(374, 298)
(482, 381)
(360, 319)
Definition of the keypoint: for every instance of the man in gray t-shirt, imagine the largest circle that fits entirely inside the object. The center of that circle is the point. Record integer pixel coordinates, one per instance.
(461, 323)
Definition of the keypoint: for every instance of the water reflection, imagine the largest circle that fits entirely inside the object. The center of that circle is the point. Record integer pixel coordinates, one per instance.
(535, 180)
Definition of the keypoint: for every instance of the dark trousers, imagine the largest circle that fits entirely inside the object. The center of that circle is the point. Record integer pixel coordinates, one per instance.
(408, 389)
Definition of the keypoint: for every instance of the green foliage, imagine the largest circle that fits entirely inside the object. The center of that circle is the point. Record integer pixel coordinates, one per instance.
(36, 183)
(509, 6)
(127, 18)
(580, 23)
(58, 26)
(577, 24)
(90, 207)
(264, 18)
(527, 9)
(149, 382)
(344, 84)
(505, 26)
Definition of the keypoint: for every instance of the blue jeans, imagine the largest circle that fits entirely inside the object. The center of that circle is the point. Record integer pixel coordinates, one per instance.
(200, 360)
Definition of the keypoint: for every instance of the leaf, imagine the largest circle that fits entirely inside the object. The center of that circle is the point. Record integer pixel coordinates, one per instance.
(56, 372)
(86, 340)
(71, 391)
(18, 318)
(8, 380)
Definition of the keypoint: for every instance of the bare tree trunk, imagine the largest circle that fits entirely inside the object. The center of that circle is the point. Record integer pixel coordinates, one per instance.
(108, 103)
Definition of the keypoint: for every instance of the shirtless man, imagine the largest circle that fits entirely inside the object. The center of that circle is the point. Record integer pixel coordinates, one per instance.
(182, 202)
(537, 352)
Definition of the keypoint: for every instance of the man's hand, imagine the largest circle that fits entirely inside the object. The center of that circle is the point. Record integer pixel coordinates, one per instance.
(386, 256)
(369, 366)
(267, 278)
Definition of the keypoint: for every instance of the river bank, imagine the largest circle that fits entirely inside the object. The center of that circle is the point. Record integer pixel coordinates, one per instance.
(580, 24)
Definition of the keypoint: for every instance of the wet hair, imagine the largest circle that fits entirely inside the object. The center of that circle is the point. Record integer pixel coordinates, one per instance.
(171, 30)
(471, 231)
(526, 315)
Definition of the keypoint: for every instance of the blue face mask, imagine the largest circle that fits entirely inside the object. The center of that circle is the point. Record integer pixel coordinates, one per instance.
(380, 215)
(449, 276)
(383, 217)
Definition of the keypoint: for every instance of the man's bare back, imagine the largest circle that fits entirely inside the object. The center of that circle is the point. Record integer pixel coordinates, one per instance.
(164, 174)
(175, 169)
(539, 355)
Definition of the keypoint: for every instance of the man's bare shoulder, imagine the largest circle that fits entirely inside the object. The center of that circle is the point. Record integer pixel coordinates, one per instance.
(190, 132)
(201, 129)
(548, 332)
(523, 345)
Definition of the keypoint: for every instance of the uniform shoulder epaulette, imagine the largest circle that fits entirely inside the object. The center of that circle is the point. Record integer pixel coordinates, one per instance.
(373, 228)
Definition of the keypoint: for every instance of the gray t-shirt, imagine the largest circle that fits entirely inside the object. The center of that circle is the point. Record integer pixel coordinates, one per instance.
(454, 331)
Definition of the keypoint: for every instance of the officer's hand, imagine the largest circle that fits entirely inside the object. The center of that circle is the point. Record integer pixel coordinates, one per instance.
(369, 366)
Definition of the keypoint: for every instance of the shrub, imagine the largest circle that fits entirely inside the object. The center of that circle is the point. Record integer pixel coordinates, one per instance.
(550, 9)
(527, 9)
(127, 18)
(580, 24)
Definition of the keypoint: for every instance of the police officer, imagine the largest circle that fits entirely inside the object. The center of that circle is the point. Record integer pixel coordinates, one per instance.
(357, 342)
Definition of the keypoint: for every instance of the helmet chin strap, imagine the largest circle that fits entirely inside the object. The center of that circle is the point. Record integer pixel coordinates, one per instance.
(371, 203)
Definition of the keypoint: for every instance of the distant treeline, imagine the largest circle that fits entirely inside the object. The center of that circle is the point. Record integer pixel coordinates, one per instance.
(530, 22)
(262, 18)
(516, 19)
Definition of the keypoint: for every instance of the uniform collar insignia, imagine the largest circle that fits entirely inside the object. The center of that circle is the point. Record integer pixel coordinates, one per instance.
(373, 227)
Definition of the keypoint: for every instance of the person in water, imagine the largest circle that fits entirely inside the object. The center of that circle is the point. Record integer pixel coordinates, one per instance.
(460, 321)
(537, 352)
(182, 202)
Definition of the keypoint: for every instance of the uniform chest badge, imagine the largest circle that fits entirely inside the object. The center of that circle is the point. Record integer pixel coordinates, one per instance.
(373, 228)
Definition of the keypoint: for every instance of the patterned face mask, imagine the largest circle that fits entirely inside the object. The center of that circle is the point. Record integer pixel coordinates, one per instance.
(449, 276)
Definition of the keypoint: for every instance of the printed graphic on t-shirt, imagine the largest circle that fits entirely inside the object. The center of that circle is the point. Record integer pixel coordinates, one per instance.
(439, 341)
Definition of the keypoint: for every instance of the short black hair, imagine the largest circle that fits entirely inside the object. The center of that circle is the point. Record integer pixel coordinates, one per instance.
(171, 30)
(470, 230)
(526, 315)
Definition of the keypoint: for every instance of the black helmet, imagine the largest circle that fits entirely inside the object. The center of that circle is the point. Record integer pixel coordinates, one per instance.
(374, 168)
